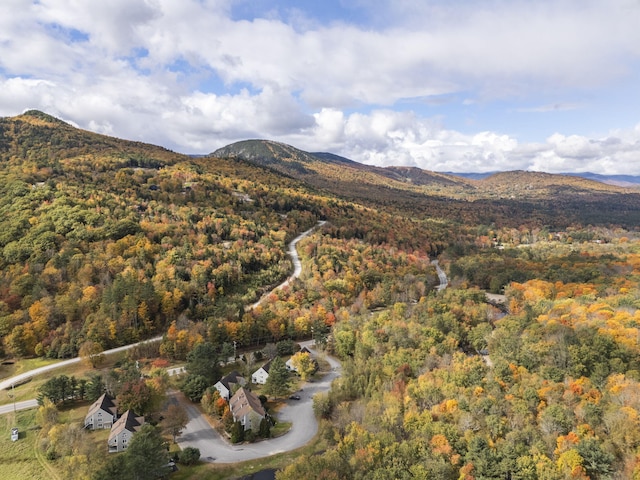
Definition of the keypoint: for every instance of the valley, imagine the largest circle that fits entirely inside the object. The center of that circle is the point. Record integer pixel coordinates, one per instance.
(106, 243)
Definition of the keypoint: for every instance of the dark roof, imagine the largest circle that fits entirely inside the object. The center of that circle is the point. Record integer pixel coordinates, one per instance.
(267, 366)
(230, 378)
(305, 350)
(105, 402)
(128, 421)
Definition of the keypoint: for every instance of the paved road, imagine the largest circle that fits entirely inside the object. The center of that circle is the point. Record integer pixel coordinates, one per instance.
(213, 448)
(25, 405)
(444, 282)
(7, 383)
(297, 264)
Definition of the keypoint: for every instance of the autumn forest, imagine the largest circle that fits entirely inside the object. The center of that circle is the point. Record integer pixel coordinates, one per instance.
(104, 242)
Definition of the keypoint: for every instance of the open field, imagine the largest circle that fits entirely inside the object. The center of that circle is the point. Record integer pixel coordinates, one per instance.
(18, 459)
(9, 369)
(29, 390)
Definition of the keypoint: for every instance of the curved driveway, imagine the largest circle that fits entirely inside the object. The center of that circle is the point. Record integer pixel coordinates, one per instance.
(213, 448)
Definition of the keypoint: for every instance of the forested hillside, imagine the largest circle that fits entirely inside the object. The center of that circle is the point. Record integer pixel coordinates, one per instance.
(508, 199)
(109, 241)
(556, 394)
(105, 241)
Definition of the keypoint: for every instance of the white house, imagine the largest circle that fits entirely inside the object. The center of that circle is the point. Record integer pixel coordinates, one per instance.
(123, 430)
(102, 413)
(247, 409)
(260, 376)
(228, 383)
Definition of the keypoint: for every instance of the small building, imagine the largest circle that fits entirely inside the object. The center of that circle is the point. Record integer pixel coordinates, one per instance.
(102, 413)
(260, 376)
(289, 363)
(123, 430)
(247, 409)
(228, 383)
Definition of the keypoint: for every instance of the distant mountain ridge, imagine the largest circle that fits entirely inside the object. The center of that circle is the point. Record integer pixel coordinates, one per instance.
(270, 153)
(617, 180)
(308, 165)
(498, 197)
(54, 147)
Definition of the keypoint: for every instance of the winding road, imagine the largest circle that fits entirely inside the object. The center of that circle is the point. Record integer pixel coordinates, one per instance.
(297, 264)
(304, 426)
(444, 282)
(25, 376)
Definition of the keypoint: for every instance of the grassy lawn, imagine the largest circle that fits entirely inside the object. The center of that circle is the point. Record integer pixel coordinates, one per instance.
(24, 365)
(18, 459)
(25, 459)
(29, 390)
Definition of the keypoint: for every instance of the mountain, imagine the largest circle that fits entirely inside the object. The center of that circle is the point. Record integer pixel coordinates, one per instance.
(503, 198)
(617, 180)
(45, 141)
(104, 242)
(323, 168)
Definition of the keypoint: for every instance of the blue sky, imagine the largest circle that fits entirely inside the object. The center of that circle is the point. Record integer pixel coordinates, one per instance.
(457, 85)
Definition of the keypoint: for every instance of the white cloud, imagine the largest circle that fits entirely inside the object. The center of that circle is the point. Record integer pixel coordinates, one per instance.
(387, 138)
(136, 69)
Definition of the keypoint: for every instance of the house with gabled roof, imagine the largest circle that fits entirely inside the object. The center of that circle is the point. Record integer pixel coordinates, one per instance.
(123, 430)
(289, 363)
(247, 409)
(102, 413)
(227, 384)
(260, 376)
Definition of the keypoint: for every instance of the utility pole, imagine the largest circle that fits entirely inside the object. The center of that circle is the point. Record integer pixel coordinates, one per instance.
(13, 396)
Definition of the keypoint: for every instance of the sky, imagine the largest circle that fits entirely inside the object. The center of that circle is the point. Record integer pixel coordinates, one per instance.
(444, 85)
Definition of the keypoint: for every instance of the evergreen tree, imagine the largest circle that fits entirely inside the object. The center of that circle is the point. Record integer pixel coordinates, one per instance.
(237, 432)
(95, 387)
(265, 428)
(203, 360)
(194, 387)
(278, 381)
(147, 454)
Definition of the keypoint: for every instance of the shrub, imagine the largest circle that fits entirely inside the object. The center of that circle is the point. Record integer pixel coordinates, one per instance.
(189, 456)
(237, 432)
(265, 428)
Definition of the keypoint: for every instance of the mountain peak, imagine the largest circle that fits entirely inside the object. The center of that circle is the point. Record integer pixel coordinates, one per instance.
(38, 117)
(265, 152)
